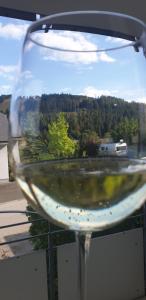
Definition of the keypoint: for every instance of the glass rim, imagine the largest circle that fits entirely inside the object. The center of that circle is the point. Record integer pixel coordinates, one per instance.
(43, 21)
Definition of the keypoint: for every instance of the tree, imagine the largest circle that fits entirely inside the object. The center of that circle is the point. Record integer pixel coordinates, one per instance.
(50, 142)
(60, 144)
(88, 143)
(108, 136)
(126, 129)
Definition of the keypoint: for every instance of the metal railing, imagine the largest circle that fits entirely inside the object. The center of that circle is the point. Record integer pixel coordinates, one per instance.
(55, 236)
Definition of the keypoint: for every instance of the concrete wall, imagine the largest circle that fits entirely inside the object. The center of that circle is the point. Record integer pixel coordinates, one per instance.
(116, 268)
(4, 172)
(116, 271)
(24, 277)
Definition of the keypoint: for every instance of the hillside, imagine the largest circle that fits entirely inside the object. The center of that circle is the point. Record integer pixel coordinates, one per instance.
(89, 120)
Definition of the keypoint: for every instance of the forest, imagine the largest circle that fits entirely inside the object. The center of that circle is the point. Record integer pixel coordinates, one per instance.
(90, 121)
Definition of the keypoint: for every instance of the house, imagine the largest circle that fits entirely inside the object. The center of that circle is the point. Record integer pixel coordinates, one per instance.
(4, 170)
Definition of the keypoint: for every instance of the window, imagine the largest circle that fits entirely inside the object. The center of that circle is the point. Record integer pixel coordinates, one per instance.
(121, 148)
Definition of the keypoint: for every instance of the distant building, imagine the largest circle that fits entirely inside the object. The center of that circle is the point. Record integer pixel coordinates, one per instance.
(4, 170)
(4, 136)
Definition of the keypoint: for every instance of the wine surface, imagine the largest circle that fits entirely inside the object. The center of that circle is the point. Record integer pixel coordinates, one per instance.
(84, 191)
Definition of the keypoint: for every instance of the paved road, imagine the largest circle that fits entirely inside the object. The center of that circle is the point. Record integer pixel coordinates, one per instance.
(9, 192)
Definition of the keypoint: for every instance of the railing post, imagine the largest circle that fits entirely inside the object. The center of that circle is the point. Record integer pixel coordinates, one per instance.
(51, 265)
(144, 242)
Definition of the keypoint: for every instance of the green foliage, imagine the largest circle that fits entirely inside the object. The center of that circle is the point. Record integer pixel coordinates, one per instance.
(126, 129)
(49, 144)
(33, 149)
(64, 123)
(60, 144)
(83, 113)
(88, 143)
(108, 136)
(57, 145)
(43, 227)
(34, 144)
(36, 228)
(67, 122)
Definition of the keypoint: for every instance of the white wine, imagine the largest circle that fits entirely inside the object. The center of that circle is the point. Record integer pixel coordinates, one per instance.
(84, 194)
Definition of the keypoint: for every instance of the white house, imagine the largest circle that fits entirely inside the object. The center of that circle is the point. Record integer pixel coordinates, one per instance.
(4, 170)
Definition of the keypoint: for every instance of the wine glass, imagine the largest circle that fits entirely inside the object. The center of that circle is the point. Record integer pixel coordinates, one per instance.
(79, 114)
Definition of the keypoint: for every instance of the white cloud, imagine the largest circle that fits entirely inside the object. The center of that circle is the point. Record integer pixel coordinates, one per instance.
(66, 90)
(142, 100)
(5, 89)
(75, 41)
(32, 87)
(91, 91)
(117, 41)
(11, 71)
(27, 74)
(8, 71)
(13, 31)
(28, 46)
(7, 68)
(105, 57)
(135, 94)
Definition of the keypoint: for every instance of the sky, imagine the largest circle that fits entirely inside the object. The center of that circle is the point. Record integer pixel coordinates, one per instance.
(120, 73)
(11, 38)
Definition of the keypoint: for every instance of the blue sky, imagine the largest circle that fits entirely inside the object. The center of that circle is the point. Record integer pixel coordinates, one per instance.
(119, 73)
(11, 38)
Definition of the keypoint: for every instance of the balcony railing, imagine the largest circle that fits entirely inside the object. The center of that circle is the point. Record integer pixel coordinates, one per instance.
(55, 237)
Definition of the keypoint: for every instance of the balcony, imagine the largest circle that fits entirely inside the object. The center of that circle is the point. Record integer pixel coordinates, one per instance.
(116, 265)
(117, 257)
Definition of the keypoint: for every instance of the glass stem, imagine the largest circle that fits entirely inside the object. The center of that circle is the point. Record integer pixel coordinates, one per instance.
(83, 241)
